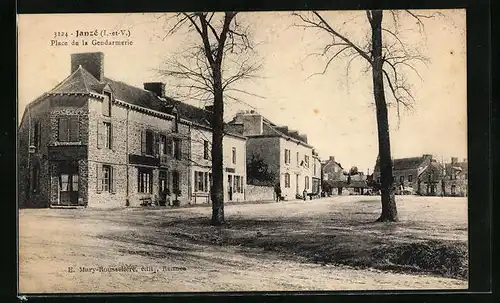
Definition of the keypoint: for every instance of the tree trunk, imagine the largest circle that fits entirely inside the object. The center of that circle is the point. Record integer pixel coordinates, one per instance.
(389, 211)
(217, 194)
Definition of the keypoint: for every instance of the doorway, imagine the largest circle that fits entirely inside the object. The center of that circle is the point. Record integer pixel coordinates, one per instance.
(163, 187)
(68, 184)
(230, 187)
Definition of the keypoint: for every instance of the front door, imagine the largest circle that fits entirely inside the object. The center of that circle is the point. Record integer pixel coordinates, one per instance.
(68, 188)
(163, 188)
(230, 187)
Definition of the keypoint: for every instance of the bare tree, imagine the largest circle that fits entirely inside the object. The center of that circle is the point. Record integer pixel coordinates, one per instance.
(208, 71)
(389, 61)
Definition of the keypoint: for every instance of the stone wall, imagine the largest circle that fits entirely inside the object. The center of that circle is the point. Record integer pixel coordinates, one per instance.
(259, 193)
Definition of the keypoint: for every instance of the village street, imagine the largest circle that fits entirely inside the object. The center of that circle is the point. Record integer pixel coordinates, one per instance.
(322, 244)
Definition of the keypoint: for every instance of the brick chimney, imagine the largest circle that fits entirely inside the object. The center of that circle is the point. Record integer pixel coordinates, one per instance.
(158, 88)
(209, 108)
(91, 62)
(454, 160)
(332, 158)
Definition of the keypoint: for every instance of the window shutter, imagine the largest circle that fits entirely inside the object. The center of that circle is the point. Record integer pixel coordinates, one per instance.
(113, 136)
(74, 129)
(99, 177)
(99, 137)
(143, 142)
(169, 146)
(63, 129)
(113, 181)
(155, 143)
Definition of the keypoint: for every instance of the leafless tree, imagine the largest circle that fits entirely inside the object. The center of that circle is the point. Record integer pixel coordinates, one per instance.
(222, 56)
(389, 60)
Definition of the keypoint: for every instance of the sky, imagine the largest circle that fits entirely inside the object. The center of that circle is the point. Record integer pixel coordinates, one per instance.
(334, 109)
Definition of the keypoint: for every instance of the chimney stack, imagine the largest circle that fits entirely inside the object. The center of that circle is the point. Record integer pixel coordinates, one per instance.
(158, 88)
(454, 160)
(91, 62)
(209, 108)
(332, 158)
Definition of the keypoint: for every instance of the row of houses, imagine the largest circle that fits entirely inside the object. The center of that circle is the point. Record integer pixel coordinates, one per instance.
(422, 175)
(96, 142)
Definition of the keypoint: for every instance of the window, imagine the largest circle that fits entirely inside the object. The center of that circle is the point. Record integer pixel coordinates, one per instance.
(314, 166)
(238, 184)
(74, 182)
(176, 148)
(106, 104)
(149, 142)
(144, 180)
(106, 178)
(410, 178)
(453, 189)
(107, 135)
(287, 156)
(64, 182)
(298, 160)
(36, 136)
(401, 179)
(201, 181)
(176, 182)
(325, 177)
(287, 180)
(306, 160)
(205, 150)
(307, 182)
(234, 155)
(162, 145)
(68, 128)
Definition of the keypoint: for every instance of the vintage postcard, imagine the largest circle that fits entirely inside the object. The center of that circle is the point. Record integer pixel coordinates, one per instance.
(242, 151)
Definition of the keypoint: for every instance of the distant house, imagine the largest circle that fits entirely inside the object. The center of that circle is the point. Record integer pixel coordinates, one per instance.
(456, 178)
(337, 182)
(415, 175)
(333, 177)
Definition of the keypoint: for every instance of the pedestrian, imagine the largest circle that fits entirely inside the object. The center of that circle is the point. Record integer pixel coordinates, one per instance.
(277, 191)
(304, 194)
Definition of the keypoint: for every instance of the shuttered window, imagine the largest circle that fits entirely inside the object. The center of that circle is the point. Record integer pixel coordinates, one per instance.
(69, 128)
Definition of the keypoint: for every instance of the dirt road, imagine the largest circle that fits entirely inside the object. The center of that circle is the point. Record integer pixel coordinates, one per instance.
(154, 250)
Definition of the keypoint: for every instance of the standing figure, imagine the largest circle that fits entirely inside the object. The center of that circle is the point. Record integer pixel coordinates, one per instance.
(277, 191)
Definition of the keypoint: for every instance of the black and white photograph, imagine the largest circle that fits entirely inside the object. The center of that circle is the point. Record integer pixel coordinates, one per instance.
(252, 151)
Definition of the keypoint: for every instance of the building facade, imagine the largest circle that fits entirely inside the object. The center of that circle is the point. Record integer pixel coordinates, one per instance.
(426, 176)
(287, 155)
(93, 141)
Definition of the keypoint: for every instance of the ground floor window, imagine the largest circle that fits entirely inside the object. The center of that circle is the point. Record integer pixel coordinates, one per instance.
(238, 184)
(453, 189)
(201, 181)
(106, 178)
(287, 180)
(144, 180)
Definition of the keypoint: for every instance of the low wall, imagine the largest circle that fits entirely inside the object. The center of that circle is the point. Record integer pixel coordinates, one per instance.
(259, 193)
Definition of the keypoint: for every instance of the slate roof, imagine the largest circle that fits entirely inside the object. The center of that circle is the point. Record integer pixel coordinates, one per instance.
(403, 163)
(81, 81)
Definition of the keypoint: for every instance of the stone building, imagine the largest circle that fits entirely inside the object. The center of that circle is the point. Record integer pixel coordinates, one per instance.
(316, 174)
(415, 175)
(333, 177)
(93, 141)
(456, 178)
(287, 154)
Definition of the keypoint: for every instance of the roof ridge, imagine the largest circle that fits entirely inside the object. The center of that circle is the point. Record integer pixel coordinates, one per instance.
(63, 81)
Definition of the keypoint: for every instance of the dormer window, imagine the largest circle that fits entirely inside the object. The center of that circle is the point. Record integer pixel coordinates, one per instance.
(106, 104)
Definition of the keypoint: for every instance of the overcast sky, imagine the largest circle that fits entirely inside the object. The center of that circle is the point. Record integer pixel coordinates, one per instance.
(336, 111)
